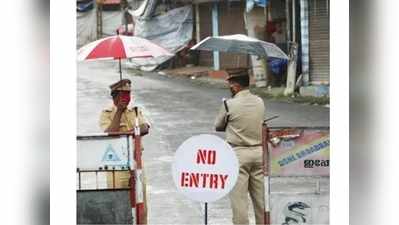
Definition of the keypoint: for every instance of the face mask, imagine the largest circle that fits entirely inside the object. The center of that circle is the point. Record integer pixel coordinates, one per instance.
(124, 97)
(232, 90)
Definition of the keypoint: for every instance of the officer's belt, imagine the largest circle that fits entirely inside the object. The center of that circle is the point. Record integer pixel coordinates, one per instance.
(234, 145)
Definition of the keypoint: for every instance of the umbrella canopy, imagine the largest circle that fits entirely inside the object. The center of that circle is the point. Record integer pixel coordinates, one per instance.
(239, 43)
(121, 47)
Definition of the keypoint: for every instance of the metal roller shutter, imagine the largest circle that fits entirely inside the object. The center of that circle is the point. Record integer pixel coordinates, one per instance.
(319, 41)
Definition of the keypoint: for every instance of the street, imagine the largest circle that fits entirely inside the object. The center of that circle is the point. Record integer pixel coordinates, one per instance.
(177, 109)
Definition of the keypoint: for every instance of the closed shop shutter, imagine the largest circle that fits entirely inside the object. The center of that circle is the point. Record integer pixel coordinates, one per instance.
(231, 21)
(319, 41)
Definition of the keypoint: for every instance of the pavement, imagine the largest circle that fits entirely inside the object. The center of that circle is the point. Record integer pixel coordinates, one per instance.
(178, 108)
(206, 75)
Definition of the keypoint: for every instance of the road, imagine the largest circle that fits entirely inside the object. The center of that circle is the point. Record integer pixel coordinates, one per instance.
(177, 109)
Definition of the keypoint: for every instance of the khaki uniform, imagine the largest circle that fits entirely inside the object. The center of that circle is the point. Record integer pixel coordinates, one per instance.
(244, 133)
(127, 123)
(127, 119)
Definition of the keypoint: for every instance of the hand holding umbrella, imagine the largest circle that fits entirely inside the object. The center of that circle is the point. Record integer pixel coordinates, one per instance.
(121, 47)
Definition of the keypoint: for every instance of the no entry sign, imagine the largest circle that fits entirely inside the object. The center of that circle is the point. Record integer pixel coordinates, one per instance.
(205, 168)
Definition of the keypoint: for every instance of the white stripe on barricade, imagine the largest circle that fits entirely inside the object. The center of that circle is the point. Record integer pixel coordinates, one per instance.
(267, 193)
(139, 186)
(134, 216)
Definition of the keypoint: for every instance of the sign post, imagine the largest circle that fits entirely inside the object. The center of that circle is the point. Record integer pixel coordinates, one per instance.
(206, 213)
(205, 169)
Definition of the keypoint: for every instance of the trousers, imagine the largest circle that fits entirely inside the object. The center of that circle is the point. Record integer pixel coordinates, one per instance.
(250, 180)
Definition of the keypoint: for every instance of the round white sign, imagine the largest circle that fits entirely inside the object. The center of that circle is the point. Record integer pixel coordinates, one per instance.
(205, 168)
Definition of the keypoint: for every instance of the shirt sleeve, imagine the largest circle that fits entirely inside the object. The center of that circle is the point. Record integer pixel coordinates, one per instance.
(105, 120)
(143, 119)
(221, 119)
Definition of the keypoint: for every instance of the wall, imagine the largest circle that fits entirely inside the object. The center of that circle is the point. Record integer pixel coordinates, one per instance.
(231, 21)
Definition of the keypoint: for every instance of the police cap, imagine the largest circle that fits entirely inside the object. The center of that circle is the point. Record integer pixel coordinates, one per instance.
(122, 85)
(240, 76)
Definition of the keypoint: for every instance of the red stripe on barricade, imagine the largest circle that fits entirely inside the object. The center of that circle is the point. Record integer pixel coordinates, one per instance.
(137, 152)
(140, 212)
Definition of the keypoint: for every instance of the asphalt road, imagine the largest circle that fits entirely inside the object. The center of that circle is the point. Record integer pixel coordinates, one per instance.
(177, 109)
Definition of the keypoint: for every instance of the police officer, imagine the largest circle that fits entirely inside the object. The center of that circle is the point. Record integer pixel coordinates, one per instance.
(121, 118)
(118, 117)
(241, 118)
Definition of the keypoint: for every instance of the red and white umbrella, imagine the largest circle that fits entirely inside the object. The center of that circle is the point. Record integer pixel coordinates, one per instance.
(121, 47)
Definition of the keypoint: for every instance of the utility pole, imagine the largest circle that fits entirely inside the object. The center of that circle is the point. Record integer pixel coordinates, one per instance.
(215, 33)
(99, 18)
(197, 23)
(293, 57)
(305, 41)
(125, 8)
(288, 21)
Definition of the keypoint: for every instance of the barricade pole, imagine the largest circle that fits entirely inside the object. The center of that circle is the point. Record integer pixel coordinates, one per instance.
(266, 172)
(138, 174)
(206, 213)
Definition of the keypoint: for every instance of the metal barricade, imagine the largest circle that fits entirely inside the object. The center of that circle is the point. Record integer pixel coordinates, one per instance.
(108, 167)
(296, 169)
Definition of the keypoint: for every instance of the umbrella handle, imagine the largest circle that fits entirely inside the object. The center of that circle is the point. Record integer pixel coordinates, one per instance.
(120, 69)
